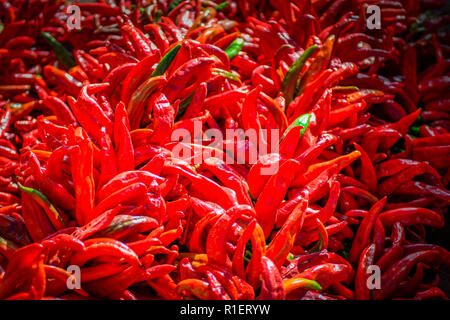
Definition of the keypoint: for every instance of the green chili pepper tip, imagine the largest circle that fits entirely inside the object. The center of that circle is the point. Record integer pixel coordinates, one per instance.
(174, 4)
(291, 76)
(312, 285)
(226, 74)
(63, 55)
(184, 104)
(44, 199)
(221, 6)
(165, 62)
(234, 48)
(319, 245)
(303, 121)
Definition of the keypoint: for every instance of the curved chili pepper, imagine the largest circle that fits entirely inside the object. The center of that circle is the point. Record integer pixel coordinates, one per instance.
(396, 251)
(280, 246)
(272, 287)
(198, 288)
(125, 179)
(135, 76)
(296, 283)
(410, 216)
(140, 43)
(289, 84)
(362, 235)
(397, 272)
(366, 259)
(61, 52)
(56, 192)
(100, 246)
(217, 236)
(135, 108)
(267, 201)
(63, 79)
(121, 225)
(234, 48)
(198, 68)
(133, 192)
(327, 211)
(52, 213)
(111, 287)
(26, 263)
(60, 109)
(229, 178)
(326, 274)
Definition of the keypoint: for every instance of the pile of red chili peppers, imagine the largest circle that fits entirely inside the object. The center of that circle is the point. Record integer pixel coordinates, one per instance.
(90, 180)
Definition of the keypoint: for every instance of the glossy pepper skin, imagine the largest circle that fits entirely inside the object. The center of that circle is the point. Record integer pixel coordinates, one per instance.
(115, 155)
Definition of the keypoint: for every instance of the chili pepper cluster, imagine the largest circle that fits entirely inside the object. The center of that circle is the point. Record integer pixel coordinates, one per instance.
(90, 180)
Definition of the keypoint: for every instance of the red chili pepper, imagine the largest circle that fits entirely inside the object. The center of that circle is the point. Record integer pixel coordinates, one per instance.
(397, 272)
(56, 192)
(268, 201)
(271, 283)
(410, 216)
(327, 211)
(280, 246)
(96, 247)
(139, 42)
(217, 236)
(362, 235)
(82, 173)
(326, 274)
(113, 286)
(362, 291)
(64, 80)
(229, 177)
(198, 68)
